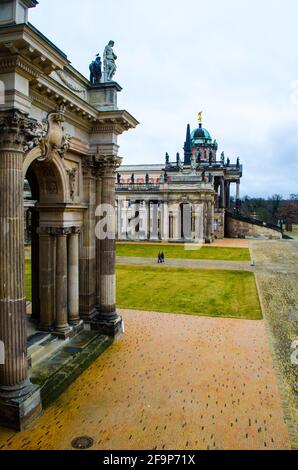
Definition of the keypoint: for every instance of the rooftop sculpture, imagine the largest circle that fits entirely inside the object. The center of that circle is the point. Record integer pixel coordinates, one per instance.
(109, 58)
(109, 66)
(95, 71)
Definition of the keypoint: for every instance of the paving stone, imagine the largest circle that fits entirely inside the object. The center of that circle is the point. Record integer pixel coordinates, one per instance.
(172, 382)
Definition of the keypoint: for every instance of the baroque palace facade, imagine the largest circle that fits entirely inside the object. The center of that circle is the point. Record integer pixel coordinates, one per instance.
(59, 133)
(179, 200)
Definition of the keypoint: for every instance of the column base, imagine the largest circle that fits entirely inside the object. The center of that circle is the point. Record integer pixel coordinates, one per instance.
(64, 334)
(19, 407)
(110, 326)
(88, 317)
(75, 323)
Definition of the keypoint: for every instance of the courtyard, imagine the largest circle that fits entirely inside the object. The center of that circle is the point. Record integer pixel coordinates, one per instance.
(172, 382)
(180, 378)
(148, 261)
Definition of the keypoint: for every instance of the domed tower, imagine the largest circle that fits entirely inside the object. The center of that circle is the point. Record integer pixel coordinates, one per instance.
(202, 146)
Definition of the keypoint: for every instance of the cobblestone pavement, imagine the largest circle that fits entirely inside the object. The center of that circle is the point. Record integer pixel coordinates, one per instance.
(188, 263)
(172, 382)
(277, 281)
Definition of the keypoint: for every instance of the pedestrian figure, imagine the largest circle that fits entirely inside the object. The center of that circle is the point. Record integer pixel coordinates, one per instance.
(159, 258)
(162, 257)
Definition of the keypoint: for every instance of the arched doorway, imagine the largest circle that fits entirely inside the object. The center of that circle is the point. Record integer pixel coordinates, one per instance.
(53, 257)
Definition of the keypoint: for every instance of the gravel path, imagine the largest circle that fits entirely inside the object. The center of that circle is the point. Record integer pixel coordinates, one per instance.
(187, 263)
(277, 281)
(172, 382)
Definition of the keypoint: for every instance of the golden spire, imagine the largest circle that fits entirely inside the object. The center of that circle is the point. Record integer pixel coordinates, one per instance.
(200, 117)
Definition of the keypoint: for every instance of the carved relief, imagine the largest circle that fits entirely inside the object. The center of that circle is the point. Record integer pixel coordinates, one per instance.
(72, 176)
(70, 83)
(55, 138)
(19, 130)
(51, 187)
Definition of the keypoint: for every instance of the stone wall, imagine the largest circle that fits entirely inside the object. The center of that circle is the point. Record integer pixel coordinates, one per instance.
(236, 228)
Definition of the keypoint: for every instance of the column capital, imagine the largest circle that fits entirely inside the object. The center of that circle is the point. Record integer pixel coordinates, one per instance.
(88, 165)
(61, 231)
(19, 132)
(75, 230)
(107, 165)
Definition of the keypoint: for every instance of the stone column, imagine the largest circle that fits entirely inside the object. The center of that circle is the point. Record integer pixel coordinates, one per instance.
(88, 270)
(19, 399)
(62, 328)
(97, 173)
(35, 281)
(124, 219)
(209, 228)
(164, 228)
(148, 219)
(222, 193)
(143, 221)
(228, 201)
(46, 279)
(199, 223)
(176, 222)
(107, 320)
(154, 221)
(73, 277)
(238, 194)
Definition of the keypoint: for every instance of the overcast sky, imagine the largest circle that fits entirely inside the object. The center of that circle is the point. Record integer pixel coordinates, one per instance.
(235, 60)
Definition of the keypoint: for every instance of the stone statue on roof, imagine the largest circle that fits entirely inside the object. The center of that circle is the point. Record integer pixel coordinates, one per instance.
(95, 71)
(109, 62)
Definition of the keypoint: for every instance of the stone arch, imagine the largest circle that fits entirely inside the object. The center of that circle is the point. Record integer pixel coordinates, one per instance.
(51, 177)
(48, 181)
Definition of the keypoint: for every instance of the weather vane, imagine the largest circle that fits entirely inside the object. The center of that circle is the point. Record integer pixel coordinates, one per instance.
(200, 117)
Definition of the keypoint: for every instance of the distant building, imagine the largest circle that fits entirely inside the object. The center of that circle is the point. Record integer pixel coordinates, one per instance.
(181, 200)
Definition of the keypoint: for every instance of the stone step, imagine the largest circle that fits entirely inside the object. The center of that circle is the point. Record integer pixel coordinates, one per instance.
(46, 349)
(58, 371)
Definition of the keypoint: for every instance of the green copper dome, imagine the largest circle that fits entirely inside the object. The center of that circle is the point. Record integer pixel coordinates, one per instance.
(200, 136)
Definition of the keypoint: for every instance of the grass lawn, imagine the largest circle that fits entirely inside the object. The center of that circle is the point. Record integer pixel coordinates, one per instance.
(176, 251)
(231, 294)
(28, 280)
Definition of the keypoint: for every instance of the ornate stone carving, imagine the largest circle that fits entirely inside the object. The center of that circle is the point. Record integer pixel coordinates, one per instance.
(19, 131)
(70, 84)
(52, 187)
(88, 165)
(54, 231)
(101, 165)
(55, 138)
(107, 164)
(72, 175)
(60, 231)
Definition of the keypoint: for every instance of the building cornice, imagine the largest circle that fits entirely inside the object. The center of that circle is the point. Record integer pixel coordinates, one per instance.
(26, 41)
(19, 64)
